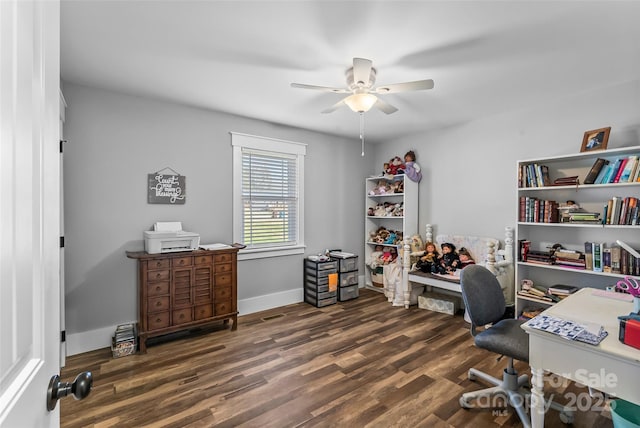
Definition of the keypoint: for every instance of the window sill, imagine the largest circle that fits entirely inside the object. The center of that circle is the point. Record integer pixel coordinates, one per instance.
(262, 253)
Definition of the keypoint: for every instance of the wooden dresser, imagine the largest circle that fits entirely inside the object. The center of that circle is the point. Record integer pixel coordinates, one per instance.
(179, 291)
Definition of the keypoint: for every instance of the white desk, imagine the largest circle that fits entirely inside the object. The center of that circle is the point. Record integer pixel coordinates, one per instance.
(611, 367)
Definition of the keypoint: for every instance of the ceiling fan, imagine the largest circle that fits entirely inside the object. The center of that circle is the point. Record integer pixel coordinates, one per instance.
(360, 80)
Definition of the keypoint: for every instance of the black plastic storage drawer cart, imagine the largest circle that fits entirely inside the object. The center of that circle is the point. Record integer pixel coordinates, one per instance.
(320, 282)
(347, 277)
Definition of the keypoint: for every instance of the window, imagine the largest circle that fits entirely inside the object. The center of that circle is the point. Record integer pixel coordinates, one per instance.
(268, 189)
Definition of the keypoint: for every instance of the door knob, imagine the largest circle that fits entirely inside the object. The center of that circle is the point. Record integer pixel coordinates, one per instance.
(80, 388)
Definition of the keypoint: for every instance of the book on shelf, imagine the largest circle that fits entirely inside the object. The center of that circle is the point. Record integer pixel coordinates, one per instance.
(603, 172)
(606, 259)
(629, 168)
(566, 181)
(588, 255)
(615, 259)
(562, 289)
(597, 256)
(597, 166)
(623, 163)
(525, 293)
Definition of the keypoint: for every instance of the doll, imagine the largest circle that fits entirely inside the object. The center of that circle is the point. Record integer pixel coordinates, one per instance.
(465, 258)
(428, 261)
(449, 261)
(375, 258)
(411, 168)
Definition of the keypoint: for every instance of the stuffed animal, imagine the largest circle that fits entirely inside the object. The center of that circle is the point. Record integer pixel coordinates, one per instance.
(395, 166)
(375, 259)
(412, 169)
(391, 239)
(382, 188)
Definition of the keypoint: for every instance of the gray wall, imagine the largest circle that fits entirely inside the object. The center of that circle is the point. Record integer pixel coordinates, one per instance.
(115, 140)
(469, 171)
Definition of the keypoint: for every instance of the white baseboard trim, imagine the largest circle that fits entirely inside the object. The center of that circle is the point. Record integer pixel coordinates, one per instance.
(78, 343)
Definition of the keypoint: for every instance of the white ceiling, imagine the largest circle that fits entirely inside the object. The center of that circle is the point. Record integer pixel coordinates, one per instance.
(486, 57)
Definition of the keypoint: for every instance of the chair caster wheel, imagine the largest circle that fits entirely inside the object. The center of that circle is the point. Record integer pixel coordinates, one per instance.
(464, 404)
(566, 417)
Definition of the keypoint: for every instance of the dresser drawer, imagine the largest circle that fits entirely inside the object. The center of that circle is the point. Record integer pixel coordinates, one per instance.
(157, 288)
(158, 264)
(158, 275)
(223, 267)
(203, 311)
(222, 258)
(222, 279)
(182, 261)
(158, 320)
(222, 293)
(182, 316)
(203, 260)
(157, 304)
(223, 307)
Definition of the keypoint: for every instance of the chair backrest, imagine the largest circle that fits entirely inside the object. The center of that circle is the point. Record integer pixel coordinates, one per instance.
(482, 295)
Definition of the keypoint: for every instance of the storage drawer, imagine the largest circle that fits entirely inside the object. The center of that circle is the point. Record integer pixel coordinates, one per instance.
(223, 267)
(320, 273)
(157, 288)
(158, 320)
(157, 304)
(223, 307)
(182, 261)
(348, 278)
(222, 279)
(346, 265)
(182, 316)
(203, 311)
(203, 260)
(223, 258)
(321, 266)
(158, 275)
(222, 293)
(320, 295)
(320, 302)
(316, 288)
(348, 293)
(158, 264)
(318, 281)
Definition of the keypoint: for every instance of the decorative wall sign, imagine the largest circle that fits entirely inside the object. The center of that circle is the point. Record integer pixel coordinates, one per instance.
(166, 188)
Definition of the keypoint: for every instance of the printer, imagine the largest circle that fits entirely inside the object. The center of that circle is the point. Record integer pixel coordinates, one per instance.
(168, 236)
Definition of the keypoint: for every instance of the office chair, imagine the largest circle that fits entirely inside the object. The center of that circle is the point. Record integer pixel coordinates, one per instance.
(485, 304)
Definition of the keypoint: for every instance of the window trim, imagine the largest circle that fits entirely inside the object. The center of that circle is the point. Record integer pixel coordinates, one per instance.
(240, 141)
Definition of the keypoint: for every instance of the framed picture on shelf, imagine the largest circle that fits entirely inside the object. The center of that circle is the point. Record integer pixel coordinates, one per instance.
(596, 139)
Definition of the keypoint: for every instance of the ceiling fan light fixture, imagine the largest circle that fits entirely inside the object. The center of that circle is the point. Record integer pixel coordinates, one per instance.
(360, 103)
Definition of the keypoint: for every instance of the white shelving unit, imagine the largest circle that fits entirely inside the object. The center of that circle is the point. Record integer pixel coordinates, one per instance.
(591, 197)
(407, 223)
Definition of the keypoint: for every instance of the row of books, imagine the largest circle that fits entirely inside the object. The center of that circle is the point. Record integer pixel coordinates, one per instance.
(533, 175)
(597, 257)
(620, 210)
(622, 170)
(600, 257)
(534, 210)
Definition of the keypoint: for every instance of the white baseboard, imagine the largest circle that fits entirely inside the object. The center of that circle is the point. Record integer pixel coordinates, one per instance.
(78, 343)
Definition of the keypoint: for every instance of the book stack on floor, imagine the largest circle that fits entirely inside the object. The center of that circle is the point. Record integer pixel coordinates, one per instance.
(124, 341)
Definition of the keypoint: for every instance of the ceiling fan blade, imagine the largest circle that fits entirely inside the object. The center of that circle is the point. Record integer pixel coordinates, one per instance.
(334, 107)
(361, 71)
(385, 107)
(418, 85)
(320, 88)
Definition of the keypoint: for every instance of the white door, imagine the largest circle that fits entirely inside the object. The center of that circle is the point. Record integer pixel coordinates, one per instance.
(29, 210)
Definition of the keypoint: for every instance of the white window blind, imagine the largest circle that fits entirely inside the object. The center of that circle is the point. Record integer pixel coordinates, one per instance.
(269, 199)
(268, 196)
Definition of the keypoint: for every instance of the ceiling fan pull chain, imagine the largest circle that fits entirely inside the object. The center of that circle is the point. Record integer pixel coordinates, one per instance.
(362, 131)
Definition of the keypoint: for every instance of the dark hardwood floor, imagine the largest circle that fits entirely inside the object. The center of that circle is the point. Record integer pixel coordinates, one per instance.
(354, 364)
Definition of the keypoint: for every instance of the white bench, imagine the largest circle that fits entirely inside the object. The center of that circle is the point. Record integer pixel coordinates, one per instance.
(485, 251)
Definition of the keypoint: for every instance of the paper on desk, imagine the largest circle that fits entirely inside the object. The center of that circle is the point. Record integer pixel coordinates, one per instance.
(587, 332)
(214, 246)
